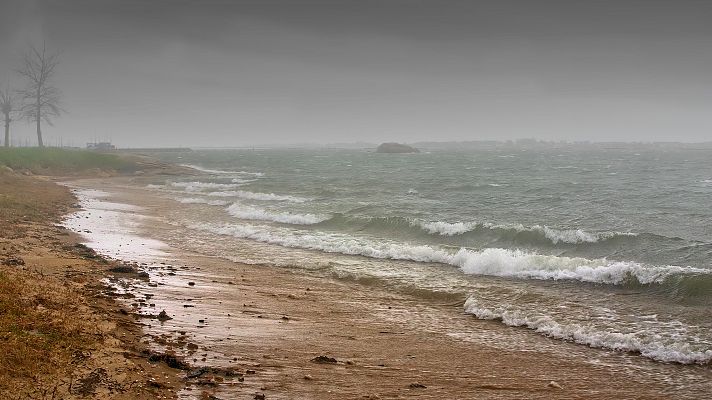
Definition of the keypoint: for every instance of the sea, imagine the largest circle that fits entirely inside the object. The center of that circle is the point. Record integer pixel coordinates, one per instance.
(605, 245)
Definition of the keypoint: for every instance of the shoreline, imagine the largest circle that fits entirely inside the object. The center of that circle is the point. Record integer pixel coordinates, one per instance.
(65, 335)
(382, 342)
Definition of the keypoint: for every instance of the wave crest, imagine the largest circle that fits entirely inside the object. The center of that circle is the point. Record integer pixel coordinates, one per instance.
(491, 261)
(220, 172)
(201, 186)
(243, 194)
(555, 236)
(198, 200)
(679, 352)
(253, 213)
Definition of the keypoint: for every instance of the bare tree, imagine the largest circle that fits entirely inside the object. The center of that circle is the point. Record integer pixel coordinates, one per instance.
(7, 108)
(40, 98)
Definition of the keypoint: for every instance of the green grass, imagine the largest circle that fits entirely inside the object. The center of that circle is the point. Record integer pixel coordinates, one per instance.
(53, 161)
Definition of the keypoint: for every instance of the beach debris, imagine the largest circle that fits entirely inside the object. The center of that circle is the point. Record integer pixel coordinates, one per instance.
(123, 269)
(13, 261)
(191, 283)
(163, 316)
(324, 360)
(155, 384)
(260, 396)
(416, 385)
(308, 377)
(554, 385)
(196, 373)
(170, 359)
(87, 385)
(206, 382)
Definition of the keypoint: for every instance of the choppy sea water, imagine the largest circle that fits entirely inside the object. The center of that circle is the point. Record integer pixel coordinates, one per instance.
(609, 247)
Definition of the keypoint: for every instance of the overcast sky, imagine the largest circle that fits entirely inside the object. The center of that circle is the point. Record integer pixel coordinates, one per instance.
(240, 73)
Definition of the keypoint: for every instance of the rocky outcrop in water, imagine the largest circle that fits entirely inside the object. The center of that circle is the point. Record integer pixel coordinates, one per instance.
(396, 148)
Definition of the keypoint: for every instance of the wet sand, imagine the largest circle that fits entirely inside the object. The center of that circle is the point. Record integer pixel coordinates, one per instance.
(271, 324)
(65, 336)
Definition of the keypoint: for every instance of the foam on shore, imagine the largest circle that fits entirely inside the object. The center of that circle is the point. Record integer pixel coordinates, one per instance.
(112, 229)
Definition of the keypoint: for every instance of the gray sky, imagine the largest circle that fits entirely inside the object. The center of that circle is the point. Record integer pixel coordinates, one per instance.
(209, 73)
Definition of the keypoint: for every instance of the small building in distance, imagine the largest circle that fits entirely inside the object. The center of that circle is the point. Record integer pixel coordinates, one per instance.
(101, 146)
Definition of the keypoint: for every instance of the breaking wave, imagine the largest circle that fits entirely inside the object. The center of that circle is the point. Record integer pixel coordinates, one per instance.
(198, 200)
(220, 172)
(556, 236)
(481, 231)
(243, 194)
(253, 213)
(651, 347)
(490, 261)
(201, 186)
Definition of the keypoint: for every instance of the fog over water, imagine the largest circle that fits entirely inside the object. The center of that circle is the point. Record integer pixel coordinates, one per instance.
(244, 73)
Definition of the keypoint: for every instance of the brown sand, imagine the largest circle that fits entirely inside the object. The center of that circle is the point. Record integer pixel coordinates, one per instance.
(269, 324)
(61, 337)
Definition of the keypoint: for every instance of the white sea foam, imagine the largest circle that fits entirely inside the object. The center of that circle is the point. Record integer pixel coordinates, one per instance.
(112, 229)
(220, 172)
(243, 194)
(201, 186)
(491, 261)
(651, 347)
(253, 213)
(447, 228)
(571, 236)
(243, 181)
(199, 200)
(521, 264)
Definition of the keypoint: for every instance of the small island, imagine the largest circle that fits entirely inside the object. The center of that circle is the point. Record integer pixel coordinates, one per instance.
(396, 148)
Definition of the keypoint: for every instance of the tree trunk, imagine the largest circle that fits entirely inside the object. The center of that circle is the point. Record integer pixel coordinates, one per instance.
(38, 116)
(7, 132)
(39, 132)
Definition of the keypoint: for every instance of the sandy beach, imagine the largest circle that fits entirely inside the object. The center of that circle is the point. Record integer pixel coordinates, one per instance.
(343, 199)
(63, 334)
(289, 334)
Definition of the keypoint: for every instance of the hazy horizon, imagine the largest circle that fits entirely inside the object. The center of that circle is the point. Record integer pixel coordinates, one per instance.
(256, 73)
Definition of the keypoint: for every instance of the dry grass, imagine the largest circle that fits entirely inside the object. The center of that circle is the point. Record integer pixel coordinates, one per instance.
(60, 338)
(39, 332)
(29, 200)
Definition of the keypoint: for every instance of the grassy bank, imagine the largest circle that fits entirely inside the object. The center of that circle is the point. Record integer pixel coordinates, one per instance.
(39, 331)
(54, 161)
(61, 333)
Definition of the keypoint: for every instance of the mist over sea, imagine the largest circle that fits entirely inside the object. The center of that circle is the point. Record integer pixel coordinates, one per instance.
(607, 246)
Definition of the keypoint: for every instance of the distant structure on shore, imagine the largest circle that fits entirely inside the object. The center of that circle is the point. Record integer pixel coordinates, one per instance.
(396, 148)
(101, 146)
